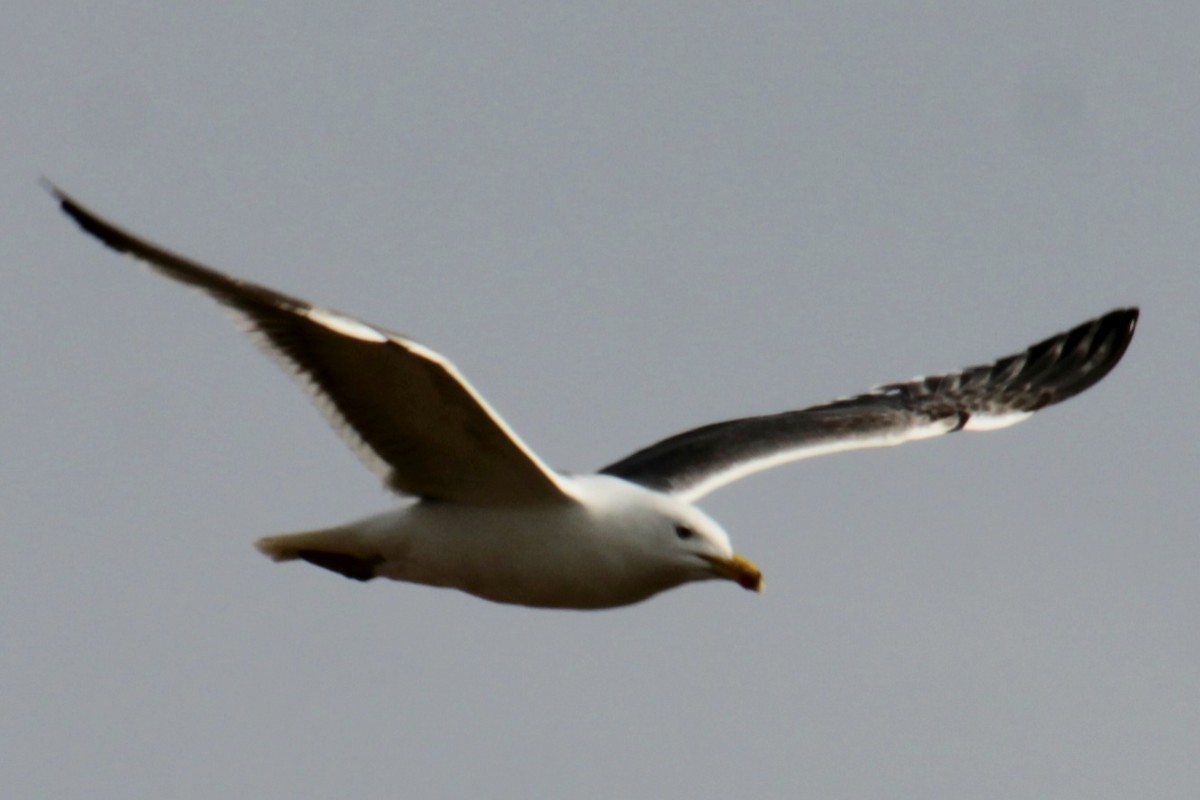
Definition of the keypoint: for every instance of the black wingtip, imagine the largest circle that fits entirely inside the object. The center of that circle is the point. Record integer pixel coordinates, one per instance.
(105, 231)
(1068, 363)
(1126, 316)
(51, 187)
(66, 203)
(64, 200)
(1124, 321)
(1120, 324)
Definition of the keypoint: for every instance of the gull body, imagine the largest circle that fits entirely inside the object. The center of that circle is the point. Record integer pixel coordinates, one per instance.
(487, 517)
(619, 544)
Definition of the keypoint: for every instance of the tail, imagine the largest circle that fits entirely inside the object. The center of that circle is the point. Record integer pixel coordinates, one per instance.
(336, 549)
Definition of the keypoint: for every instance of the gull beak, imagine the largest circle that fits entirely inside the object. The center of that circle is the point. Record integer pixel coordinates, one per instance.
(737, 569)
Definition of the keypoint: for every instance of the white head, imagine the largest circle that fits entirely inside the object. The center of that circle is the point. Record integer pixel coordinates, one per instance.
(671, 539)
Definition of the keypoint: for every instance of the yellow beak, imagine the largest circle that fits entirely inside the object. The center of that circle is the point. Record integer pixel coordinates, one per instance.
(737, 569)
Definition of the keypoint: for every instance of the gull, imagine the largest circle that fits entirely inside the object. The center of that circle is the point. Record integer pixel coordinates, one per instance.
(488, 517)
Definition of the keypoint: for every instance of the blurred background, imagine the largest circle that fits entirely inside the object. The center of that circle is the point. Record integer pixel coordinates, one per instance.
(620, 221)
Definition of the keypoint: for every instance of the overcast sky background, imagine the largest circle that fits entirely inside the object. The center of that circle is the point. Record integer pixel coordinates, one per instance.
(619, 222)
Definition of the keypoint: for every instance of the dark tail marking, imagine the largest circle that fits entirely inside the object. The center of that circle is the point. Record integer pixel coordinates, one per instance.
(353, 567)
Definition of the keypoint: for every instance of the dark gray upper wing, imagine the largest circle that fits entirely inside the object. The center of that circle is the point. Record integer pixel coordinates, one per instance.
(403, 408)
(693, 463)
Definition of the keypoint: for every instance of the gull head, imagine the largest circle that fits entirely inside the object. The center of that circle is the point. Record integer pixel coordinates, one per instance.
(671, 539)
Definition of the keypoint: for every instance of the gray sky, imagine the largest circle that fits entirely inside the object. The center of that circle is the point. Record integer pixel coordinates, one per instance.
(619, 222)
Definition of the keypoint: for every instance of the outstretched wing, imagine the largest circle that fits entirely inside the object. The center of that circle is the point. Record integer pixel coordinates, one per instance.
(403, 408)
(694, 463)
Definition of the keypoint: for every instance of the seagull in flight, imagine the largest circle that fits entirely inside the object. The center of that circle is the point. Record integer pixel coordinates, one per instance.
(488, 517)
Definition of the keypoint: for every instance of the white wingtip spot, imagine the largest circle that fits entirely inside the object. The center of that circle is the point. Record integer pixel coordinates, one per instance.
(344, 325)
(994, 422)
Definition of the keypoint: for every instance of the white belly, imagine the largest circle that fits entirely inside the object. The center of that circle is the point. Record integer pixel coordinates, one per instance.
(558, 557)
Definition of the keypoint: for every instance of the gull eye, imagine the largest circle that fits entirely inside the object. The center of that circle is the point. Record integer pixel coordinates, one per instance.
(684, 532)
